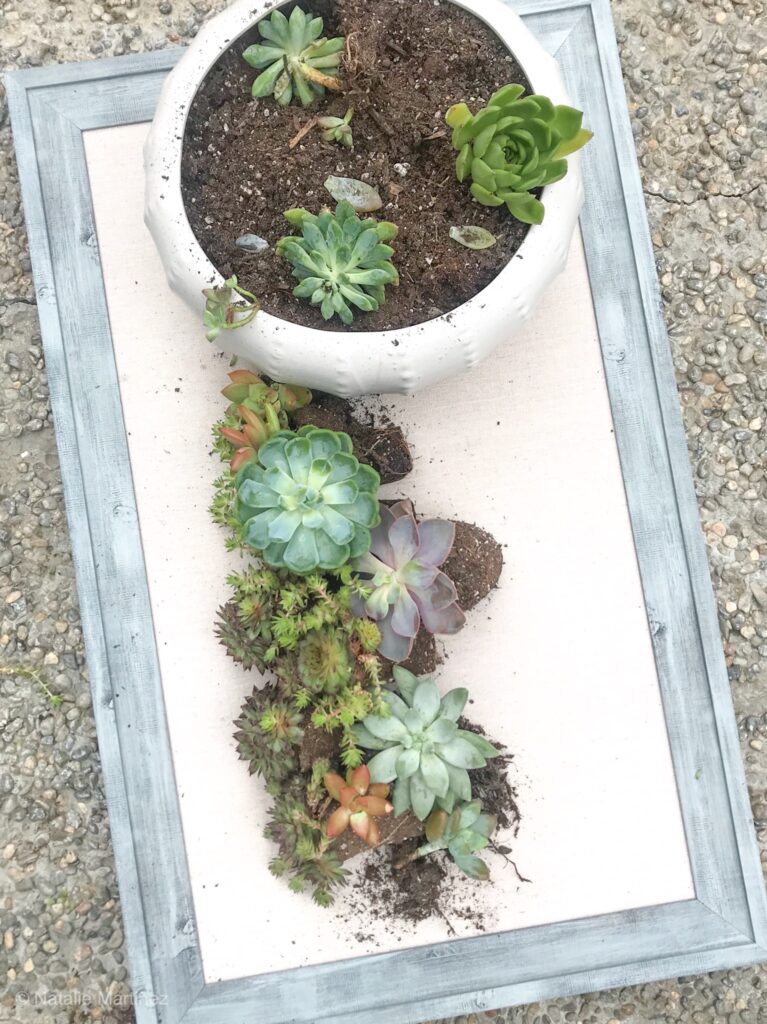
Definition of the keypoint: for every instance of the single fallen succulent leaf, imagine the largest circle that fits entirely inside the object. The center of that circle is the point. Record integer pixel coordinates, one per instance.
(473, 237)
(252, 243)
(364, 198)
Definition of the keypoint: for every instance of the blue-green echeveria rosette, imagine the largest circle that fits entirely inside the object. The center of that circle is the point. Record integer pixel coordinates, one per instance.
(341, 262)
(421, 747)
(307, 503)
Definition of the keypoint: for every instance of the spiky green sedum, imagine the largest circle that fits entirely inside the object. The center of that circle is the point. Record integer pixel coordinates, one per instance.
(246, 639)
(306, 503)
(280, 610)
(303, 630)
(298, 60)
(268, 734)
(324, 663)
(514, 145)
(304, 849)
(420, 746)
(340, 260)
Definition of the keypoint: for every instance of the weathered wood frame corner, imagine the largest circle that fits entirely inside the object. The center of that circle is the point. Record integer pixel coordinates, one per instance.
(724, 926)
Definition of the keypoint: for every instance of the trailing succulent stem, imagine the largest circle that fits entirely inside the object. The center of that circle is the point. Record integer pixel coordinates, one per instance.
(514, 145)
(340, 261)
(222, 310)
(298, 60)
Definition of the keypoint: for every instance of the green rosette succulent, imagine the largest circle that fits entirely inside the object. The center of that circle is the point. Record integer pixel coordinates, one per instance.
(338, 129)
(513, 145)
(340, 260)
(297, 60)
(421, 748)
(461, 833)
(306, 503)
(324, 663)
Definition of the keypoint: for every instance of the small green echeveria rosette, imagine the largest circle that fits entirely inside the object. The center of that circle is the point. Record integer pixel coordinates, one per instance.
(513, 145)
(341, 261)
(297, 60)
(306, 503)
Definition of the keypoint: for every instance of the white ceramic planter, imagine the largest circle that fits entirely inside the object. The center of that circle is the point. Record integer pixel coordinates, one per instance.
(354, 363)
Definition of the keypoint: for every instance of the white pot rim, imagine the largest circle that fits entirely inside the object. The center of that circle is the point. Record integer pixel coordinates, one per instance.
(343, 362)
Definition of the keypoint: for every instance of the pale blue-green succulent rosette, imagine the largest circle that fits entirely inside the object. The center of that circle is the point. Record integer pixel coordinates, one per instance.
(421, 748)
(307, 503)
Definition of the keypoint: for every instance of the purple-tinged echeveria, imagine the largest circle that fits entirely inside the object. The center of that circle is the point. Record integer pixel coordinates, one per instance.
(408, 588)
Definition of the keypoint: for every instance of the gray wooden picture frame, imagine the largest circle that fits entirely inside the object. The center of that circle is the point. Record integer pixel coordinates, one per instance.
(723, 927)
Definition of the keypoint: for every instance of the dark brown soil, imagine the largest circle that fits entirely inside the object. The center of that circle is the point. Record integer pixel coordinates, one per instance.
(423, 658)
(386, 450)
(393, 832)
(411, 893)
(395, 887)
(407, 62)
(474, 564)
(384, 447)
(316, 744)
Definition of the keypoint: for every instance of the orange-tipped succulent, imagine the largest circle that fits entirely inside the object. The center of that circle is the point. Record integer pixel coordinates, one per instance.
(252, 434)
(360, 805)
(258, 411)
(247, 388)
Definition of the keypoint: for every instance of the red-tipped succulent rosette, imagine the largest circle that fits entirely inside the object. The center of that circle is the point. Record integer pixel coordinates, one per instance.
(408, 588)
(360, 803)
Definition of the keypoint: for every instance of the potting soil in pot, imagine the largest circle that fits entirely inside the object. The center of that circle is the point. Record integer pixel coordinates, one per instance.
(406, 62)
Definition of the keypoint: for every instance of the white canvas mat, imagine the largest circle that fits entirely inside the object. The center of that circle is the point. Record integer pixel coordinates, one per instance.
(558, 660)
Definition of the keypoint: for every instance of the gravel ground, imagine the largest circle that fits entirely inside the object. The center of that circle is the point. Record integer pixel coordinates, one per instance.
(697, 87)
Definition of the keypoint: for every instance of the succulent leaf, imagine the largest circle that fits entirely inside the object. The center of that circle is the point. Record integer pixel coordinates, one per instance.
(513, 145)
(361, 197)
(472, 236)
(338, 129)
